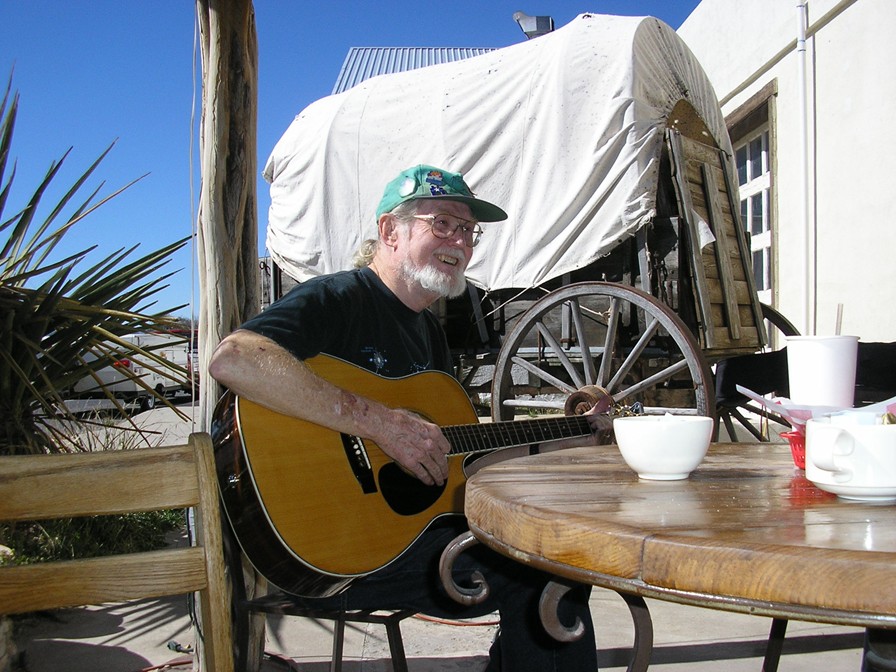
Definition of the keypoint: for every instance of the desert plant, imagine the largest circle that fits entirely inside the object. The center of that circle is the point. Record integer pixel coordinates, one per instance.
(62, 322)
(93, 536)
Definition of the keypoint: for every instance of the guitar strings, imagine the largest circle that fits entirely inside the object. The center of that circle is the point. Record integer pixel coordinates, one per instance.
(489, 436)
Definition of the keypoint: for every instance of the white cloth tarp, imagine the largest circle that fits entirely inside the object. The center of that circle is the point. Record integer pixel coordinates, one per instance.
(563, 131)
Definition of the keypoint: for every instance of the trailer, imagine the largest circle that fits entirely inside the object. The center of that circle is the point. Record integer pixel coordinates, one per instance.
(142, 368)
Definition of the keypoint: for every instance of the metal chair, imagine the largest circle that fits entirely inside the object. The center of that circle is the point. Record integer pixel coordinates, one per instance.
(246, 608)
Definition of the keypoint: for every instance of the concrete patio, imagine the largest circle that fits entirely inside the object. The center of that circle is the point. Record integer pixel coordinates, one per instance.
(136, 637)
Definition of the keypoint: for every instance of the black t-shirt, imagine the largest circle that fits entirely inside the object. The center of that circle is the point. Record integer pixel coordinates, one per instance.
(354, 316)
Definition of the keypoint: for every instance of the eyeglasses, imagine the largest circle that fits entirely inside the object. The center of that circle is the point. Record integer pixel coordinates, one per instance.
(445, 226)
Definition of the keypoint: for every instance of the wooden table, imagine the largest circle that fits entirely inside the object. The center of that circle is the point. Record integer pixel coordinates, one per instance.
(746, 532)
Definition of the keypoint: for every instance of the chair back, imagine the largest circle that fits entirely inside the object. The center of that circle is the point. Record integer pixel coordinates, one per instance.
(41, 487)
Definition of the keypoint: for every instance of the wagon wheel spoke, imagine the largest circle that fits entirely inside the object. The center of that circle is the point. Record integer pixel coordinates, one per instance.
(609, 342)
(557, 349)
(534, 404)
(584, 343)
(759, 423)
(543, 375)
(626, 366)
(657, 378)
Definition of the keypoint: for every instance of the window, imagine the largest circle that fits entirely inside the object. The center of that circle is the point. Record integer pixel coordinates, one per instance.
(751, 155)
(752, 131)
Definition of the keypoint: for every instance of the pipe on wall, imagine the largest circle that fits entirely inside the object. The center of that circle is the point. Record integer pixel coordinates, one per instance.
(809, 234)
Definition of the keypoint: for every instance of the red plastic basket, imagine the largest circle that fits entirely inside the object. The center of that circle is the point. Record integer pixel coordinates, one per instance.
(797, 447)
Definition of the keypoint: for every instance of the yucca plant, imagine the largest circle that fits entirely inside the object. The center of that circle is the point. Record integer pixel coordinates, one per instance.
(62, 320)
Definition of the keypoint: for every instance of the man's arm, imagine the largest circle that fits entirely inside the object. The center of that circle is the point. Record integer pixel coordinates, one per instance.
(256, 368)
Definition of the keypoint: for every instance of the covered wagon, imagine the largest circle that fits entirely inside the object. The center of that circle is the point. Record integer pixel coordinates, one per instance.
(623, 268)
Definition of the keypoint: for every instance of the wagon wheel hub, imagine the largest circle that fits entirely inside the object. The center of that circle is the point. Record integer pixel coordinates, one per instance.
(585, 398)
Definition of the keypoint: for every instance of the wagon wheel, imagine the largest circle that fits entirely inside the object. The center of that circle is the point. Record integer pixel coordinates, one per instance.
(781, 324)
(728, 413)
(607, 335)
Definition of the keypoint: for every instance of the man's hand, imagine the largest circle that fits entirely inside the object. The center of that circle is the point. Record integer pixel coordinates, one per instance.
(418, 446)
(256, 368)
(595, 403)
(601, 424)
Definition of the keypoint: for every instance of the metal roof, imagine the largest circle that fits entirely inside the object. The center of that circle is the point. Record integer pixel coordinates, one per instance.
(365, 62)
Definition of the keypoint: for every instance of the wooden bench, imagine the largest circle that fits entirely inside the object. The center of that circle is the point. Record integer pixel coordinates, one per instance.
(41, 487)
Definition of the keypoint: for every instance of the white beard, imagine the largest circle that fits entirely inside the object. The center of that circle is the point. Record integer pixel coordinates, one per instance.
(434, 281)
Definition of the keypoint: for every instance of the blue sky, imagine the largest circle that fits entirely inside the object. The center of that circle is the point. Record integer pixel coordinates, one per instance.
(93, 72)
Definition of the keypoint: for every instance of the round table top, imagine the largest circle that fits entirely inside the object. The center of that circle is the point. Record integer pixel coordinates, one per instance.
(745, 532)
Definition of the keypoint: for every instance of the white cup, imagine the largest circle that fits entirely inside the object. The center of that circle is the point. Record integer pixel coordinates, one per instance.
(851, 449)
(822, 370)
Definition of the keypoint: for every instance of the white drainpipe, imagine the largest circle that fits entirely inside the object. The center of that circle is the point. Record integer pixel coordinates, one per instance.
(809, 279)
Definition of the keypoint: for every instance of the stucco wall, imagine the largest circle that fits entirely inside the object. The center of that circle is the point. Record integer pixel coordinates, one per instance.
(851, 91)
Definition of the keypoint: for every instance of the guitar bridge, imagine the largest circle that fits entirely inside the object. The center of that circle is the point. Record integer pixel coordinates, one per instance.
(356, 454)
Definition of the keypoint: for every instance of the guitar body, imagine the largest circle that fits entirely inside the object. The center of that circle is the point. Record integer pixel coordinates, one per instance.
(312, 508)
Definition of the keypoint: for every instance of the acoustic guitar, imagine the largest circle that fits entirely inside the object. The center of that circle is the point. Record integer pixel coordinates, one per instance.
(313, 508)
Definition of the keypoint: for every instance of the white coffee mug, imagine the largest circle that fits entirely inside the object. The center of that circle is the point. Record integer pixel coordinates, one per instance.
(853, 449)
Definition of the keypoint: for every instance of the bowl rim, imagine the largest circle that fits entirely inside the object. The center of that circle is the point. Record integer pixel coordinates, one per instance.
(656, 418)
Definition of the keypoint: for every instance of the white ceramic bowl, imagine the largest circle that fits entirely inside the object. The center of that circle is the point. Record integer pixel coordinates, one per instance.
(663, 447)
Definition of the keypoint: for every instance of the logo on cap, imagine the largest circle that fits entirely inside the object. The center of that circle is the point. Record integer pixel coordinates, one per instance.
(435, 180)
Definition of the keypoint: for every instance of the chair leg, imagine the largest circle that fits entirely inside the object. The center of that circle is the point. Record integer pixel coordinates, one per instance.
(396, 645)
(241, 615)
(775, 645)
(338, 643)
(248, 625)
(241, 638)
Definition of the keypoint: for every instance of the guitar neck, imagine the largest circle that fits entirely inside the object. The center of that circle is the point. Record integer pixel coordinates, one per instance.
(507, 434)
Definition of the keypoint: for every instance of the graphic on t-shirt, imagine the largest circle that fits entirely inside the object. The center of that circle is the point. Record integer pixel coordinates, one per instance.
(378, 363)
(377, 359)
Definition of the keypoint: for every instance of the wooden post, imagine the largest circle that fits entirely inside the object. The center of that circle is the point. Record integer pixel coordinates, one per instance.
(228, 226)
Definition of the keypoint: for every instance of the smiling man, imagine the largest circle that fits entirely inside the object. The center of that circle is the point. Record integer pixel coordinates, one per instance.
(375, 317)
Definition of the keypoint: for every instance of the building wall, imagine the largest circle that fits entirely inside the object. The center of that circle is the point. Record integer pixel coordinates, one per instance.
(851, 93)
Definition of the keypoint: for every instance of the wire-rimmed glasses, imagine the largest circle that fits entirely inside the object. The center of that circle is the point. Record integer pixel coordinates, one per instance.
(444, 225)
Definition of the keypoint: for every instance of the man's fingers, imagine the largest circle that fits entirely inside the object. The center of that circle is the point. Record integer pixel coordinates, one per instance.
(420, 446)
(437, 469)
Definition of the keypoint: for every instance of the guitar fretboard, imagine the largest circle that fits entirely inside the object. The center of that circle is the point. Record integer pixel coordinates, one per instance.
(507, 434)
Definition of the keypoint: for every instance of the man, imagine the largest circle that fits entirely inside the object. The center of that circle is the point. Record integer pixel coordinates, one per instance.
(376, 317)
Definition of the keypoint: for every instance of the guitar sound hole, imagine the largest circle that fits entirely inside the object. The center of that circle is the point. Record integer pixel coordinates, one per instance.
(405, 494)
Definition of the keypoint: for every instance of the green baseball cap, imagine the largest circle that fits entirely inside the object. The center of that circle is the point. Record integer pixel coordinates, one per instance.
(428, 182)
